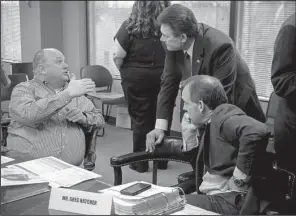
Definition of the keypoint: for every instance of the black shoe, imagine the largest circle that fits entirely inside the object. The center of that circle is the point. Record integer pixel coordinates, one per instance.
(162, 165)
(139, 167)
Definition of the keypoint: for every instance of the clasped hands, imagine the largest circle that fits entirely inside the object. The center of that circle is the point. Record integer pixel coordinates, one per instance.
(75, 115)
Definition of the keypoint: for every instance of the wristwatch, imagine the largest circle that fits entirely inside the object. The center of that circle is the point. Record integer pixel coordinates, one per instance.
(239, 182)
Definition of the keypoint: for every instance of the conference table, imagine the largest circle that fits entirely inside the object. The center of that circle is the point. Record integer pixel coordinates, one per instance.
(38, 204)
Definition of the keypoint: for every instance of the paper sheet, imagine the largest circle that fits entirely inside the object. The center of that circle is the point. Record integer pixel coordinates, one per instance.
(57, 172)
(193, 210)
(5, 159)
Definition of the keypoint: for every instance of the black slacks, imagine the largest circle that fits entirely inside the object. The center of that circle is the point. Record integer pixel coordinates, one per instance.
(141, 87)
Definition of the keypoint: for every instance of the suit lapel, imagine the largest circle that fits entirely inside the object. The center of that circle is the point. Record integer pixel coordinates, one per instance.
(198, 53)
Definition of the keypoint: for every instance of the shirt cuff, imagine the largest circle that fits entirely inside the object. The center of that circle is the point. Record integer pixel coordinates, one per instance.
(161, 124)
(240, 175)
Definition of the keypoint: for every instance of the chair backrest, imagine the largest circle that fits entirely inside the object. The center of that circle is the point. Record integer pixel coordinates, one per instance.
(15, 79)
(272, 110)
(23, 67)
(99, 74)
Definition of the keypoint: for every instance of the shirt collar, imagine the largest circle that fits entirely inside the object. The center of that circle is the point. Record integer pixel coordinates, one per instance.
(43, 83)
(190, 49)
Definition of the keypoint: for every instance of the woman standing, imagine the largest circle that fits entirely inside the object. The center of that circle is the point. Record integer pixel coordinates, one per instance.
(139, 56)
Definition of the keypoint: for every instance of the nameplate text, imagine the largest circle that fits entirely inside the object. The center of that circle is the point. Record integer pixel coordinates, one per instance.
(80, 202)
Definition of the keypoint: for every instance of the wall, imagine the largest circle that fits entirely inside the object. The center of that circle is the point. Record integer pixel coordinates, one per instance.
(51, 25)
(74, 34)
(30, 29)
(55, 24)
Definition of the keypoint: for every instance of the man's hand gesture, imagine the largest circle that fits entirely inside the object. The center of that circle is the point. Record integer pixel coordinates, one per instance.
(75, 115)
(78, 88)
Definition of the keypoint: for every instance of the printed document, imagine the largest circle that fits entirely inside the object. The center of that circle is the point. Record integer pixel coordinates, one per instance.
(57, 172)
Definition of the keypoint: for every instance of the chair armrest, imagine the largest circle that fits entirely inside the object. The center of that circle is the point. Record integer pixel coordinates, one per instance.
(167, 150)
(130, 158)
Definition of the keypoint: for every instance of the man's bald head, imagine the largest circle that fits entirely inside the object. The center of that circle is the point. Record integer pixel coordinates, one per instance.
(44, 56)
(49, 65)
(206, 88)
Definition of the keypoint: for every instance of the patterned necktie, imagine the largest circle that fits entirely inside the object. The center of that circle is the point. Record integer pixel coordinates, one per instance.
(187, 66)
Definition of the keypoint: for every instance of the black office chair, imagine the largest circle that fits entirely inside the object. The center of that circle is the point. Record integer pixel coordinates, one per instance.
(90, 148)
(187, 183)
(103, 80)
(23, 67)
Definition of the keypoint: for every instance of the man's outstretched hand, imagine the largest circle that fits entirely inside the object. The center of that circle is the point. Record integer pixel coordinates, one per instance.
(80, 87)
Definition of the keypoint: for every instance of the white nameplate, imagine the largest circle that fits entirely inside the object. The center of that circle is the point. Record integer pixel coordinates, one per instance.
(80, 202)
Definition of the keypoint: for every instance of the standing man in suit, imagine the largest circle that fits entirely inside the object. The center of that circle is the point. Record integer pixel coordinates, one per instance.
(283, 78)
(195, 49)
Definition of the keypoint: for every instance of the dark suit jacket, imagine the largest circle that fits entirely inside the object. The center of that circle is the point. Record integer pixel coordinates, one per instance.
(283, 78)
(214, 54)
(233, 140)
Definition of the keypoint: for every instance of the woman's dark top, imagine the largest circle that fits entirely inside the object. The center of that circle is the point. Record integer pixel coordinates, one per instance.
(141, 52)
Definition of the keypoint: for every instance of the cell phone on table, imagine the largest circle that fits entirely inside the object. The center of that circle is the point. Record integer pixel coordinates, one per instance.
(135, 189)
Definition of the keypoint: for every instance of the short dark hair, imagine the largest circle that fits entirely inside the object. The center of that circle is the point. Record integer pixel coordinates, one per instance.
(181, 20)
(206, 88)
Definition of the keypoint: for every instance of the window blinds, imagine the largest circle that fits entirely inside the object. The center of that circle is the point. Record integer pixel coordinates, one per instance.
(260, 23)
(10, 30)
(105, 18)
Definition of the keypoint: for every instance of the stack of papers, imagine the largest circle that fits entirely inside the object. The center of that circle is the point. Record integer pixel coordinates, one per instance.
(16, 176)
(154, 201)
(57, 172)
(18, 183)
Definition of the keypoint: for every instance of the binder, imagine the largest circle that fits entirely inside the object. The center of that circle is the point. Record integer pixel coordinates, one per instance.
(18, 192)
(156, 204)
